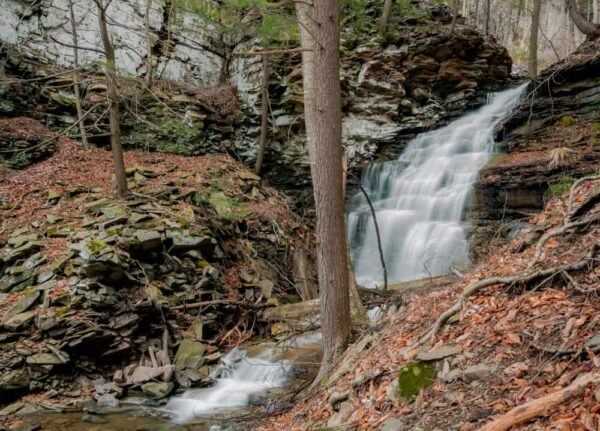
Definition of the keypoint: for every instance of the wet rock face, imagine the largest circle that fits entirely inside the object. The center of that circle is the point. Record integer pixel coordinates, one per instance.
(417, 82)
(551, 139)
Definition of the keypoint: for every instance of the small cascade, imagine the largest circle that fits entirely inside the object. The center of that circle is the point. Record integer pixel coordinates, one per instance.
(419, 198)
(239, 377)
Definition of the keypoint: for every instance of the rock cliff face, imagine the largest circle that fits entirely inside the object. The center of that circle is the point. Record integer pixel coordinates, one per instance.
(550, 140)
(185, 47)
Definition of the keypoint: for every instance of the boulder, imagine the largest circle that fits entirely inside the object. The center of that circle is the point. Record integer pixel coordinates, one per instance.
(157, 390)
(13, 382)
(190, 354)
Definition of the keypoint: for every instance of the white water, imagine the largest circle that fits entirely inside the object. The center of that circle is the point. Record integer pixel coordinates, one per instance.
(237, 378)
(419, 199)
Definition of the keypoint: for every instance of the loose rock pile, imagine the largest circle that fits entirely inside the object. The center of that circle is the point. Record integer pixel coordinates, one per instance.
(109, 314)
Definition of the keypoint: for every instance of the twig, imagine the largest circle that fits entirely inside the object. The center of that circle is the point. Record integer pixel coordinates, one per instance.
(385, 279)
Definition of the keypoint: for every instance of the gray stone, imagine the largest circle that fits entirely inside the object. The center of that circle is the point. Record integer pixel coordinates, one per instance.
(157, 390)
(190, 354)
(477, 372)
(439, 353)
(336, 420)
(13, 381)
(48, 359)
(108, 401)
(19, 321)
(393, 424)
(145, 374)
(21, 306)
(148, 239)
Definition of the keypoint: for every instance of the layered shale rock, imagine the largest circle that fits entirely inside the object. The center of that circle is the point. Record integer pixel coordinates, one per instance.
(550, 140)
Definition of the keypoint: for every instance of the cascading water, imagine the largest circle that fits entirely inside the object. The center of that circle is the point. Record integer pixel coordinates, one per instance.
(419, 199)
(239, 376)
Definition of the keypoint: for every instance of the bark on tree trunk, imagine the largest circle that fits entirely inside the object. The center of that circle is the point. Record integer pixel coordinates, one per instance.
(306, 23)
(76, 80)
(149, 66)
(486, 24)
(113, 102)
(332, 255)
(533, 38)
(262, 141)
(385, 15)
(591, 30)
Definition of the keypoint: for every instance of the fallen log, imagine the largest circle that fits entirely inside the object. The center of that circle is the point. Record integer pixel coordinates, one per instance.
(542, 406)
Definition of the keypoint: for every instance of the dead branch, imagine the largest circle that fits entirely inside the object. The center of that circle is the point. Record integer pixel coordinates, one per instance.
(379, 248)
(272, 52)
(542, 406)
(202, 304)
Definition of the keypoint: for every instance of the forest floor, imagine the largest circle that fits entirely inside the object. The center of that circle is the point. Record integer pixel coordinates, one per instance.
(234, 233)
(511, 342)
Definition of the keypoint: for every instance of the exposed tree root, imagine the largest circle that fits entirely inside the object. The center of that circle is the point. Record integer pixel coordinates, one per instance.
(474, 287)
(542, 406)
(539, 248)
(572, 193)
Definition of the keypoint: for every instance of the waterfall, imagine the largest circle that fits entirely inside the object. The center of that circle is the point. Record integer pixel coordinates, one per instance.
(419, 198)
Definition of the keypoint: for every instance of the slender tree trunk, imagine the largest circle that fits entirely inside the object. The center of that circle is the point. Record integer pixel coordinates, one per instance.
(517, 21)
(149, 62)
(305, 16)
(262, 141)
(76, 80)
(533, 38)
(476, 13)
(591, 30)
(385, 15)
(486, 24)
(595, 11)
(332, 254)
(113, 102)
(454, 16)
(508, 22)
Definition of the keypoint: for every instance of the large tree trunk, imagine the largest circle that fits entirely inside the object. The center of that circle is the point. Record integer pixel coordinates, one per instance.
(305, 17)
(591, 30)
(76, 87)
(113, 102)
(332, 255)
(533, 38)
(385, 15)
(262, 140)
